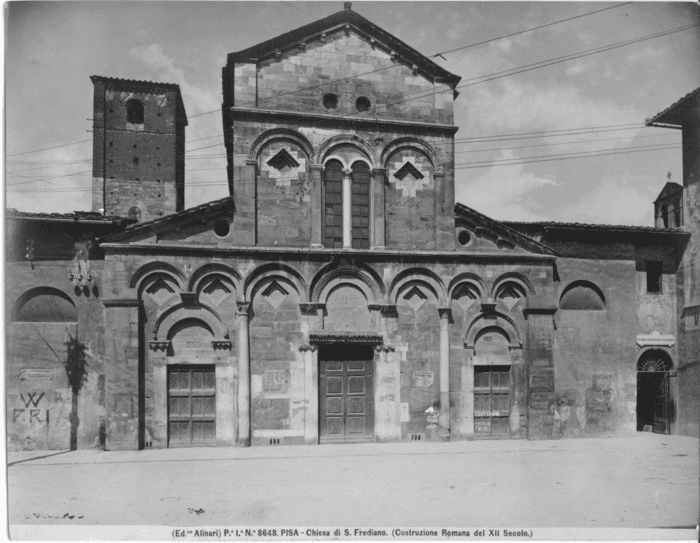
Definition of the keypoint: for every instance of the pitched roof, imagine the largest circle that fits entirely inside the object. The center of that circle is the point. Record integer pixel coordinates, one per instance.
(677, 112)
(669, 188)
(598, 227)
(345, 17)
(502, 229)
(148, 86)
(203, 210)
(77, 216)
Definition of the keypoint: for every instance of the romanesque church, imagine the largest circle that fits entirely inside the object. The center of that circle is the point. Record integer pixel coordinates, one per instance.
(338, 295)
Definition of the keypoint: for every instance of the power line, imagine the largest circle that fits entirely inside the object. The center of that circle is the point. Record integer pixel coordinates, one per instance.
(49, 148)
(529, 30)
(468, 166)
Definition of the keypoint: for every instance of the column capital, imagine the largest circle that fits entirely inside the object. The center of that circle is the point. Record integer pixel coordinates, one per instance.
(439, 173)
(243, 308)
(445, 313)
(311, 308)
(347, 171)
(251, 162)
(316, 167)
(308, 347)
(379, 171)
(384, 348)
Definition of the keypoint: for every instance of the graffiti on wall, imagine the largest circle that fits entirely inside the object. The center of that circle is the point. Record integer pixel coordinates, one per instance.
(30, 412)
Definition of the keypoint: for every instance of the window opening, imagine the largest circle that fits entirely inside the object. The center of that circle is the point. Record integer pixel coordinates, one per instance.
(333, 205)
(363, 104)
(654, 270)
(134, 112)
(360, 205)
(330, 101)
(222, 228)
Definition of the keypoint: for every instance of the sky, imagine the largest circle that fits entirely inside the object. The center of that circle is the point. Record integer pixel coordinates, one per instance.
(52, 48)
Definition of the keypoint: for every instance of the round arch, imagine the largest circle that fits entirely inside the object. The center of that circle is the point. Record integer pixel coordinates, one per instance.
(180, 312)
(265, 271)
(363, 278)
(412, 143)
(654, 359)
(580, 295)
(512, 276)
(466, 277)
(65, 310)
(421, 275)
(324, 150)
(137, 279)
(276, 134)
(203, 273)
(501, 321)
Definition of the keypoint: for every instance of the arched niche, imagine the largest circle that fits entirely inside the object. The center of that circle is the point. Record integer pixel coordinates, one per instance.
(284, 135)
(347, 307)
(466, 278)
(201, 276)
(262, 273)
(363, 278)
(140, 276)
(190, 334)
(342, 145)
(582, 296)
(418, 275)
(493, 343)
(498, 320)
(513, 277)
(411, 143)
(44, 304)
(203, 313)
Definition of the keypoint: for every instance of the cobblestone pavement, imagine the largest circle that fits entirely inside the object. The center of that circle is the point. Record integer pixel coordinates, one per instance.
(642, 481)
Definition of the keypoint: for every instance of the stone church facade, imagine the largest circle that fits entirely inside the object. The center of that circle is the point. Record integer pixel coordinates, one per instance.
(338, 295)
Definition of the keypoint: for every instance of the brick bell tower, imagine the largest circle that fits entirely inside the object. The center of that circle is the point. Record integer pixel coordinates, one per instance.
(138, 165)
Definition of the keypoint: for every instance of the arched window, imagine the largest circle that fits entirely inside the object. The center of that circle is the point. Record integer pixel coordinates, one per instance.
(582, 296)
(45, 304)
(333, 205)
(360, 205)
(134, 112)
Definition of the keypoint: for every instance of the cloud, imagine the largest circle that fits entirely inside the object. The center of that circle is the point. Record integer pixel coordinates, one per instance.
(503, 192)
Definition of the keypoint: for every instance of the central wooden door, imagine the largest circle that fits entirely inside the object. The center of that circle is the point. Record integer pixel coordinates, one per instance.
(191, 406)
(492, 401)
(346, 394)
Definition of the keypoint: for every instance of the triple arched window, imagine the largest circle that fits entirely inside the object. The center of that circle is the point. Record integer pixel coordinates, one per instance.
(346, 205)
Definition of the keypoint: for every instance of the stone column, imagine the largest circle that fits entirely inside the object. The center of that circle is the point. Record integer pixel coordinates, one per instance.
(123, 375)
(243, 375)
(445, 317)
(316, 172)
(310, 353)
(378, 208)
(347, 209)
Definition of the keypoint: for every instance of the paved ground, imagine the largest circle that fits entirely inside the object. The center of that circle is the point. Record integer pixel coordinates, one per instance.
(643, 481)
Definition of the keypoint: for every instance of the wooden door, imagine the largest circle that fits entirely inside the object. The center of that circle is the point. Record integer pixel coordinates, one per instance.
(661, 422)
(492, 401)
(191, 406)
(346, 395)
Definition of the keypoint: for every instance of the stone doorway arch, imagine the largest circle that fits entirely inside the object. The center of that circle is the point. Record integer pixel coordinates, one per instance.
(654, 405)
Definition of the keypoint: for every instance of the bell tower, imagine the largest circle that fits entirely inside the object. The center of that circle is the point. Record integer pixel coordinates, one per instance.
(138, 166)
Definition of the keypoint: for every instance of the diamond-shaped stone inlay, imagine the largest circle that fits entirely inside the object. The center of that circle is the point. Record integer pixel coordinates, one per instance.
(409, 177)
(510, 295)
(283, 161)
(415, 298)
(217, 290)
(275, 294)
(465, 296)
(160, 290)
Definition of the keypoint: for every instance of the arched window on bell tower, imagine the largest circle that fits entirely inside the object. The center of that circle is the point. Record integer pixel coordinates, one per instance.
(360, 205)
(134, 112)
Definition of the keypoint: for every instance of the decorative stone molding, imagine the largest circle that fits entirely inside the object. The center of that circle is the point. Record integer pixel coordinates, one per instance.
(445, 313)
(159, 345)
(223, 344)
(488, 308)
(121, 302)
(339, 336)
(308, 347)
(243, 308)
(312, 308)
(384, 348)
(388, 311)
(188, 298)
